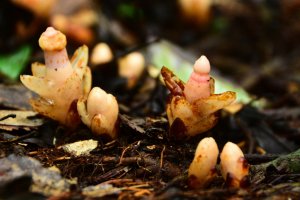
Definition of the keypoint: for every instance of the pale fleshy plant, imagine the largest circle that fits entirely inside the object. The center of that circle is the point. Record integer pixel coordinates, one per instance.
(64, 88)
(131, 67)
(192, 106)
(203, 167)
(60, 82)
(99, 111)
(101, 54)
(234, 167)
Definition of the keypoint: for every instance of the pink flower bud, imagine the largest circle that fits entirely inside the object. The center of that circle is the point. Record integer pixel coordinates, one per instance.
(57, 62)
(198, 85)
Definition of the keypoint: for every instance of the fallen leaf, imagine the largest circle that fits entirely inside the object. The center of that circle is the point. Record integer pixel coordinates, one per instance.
(15, 97)
(14, 120)
(80, 148)
(46, 181)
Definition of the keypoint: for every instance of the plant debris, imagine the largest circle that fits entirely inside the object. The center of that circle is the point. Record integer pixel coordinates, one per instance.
(15, 120)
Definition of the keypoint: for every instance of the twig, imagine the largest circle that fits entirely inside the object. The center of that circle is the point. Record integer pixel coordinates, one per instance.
(8, 116)
(116, 172)
(125, 150)
(255, 159)
(19, 138)
(162, 157)
(118, 181)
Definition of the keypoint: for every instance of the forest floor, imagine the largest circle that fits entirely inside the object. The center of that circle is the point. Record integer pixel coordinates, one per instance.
(253, 48)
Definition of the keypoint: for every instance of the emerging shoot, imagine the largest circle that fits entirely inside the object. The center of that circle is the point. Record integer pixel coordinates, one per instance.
(193, 107)
(59, 82)
(198, 85)
(202, 169)
(131, 67)
(99, 111)
(64, 88)
(101, 54)
(234, 166)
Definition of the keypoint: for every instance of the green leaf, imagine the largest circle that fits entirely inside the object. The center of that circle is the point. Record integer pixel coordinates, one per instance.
(129, 11)
(220, 24)
(11, 65)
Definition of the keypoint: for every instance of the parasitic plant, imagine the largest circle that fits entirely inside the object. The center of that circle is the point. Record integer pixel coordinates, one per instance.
(202, 169)
(99, 111)
(234, 167)
(192, 107)
(60, 82)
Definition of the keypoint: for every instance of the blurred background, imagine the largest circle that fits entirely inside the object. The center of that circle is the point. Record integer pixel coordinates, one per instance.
(252, 43)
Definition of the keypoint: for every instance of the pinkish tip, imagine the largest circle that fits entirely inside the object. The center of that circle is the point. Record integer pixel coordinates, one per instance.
(50, 31)
(202, 65)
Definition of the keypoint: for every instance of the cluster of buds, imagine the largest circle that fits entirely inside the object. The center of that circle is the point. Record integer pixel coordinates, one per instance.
(130, 66)
(193, 106)
(65, 95)
(234, 167)
(61, 82)
(64, 89)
